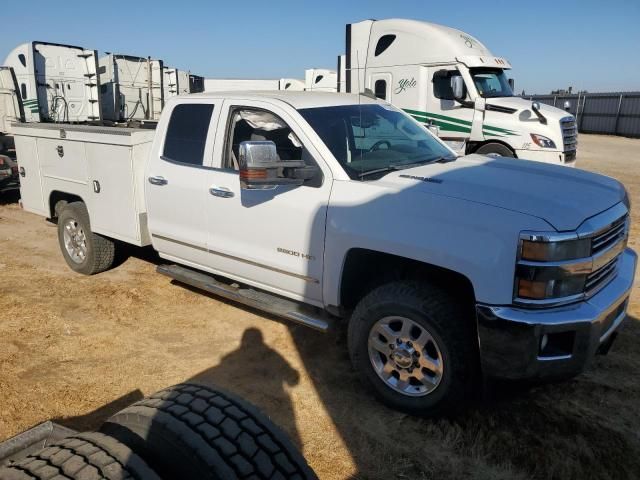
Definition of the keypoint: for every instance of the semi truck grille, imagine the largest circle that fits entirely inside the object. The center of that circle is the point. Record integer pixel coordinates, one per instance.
(569, 134)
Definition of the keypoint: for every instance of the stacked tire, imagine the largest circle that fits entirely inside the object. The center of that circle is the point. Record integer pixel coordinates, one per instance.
(189, 431)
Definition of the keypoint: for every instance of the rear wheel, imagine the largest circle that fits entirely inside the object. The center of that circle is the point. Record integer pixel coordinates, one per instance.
(493, 149)
(86, 456)
(414, 345)
(84, 251)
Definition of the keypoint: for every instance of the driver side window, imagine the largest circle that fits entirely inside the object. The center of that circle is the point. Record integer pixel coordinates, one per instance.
(249, 125)
(252, 124)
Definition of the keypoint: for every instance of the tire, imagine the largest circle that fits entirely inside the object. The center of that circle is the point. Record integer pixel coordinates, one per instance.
(431, 313)
(98, 252)
(495, 150)
(193, 431)
(86, 456)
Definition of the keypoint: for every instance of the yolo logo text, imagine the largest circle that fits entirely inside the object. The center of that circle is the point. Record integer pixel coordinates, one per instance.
(405, 84)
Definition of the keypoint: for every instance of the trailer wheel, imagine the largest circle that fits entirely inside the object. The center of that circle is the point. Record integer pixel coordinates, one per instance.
(193, 431)
(494, 149)
(86, 456)
(84, 251)
(413, 344)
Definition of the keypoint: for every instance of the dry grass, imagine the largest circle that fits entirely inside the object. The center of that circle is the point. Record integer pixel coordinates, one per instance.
(77, 349)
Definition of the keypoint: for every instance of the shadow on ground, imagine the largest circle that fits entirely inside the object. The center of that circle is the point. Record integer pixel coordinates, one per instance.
(578, 429)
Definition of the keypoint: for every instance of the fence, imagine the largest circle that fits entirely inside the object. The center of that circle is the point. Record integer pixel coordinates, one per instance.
(610, 113)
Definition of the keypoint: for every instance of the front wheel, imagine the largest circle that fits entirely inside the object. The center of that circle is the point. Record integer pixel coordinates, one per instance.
(493, 149)
(413, 344)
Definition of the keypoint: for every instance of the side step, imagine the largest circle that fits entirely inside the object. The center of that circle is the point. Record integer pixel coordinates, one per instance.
(258, 299)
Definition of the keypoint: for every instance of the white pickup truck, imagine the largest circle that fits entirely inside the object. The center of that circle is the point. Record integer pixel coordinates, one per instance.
(322, 206)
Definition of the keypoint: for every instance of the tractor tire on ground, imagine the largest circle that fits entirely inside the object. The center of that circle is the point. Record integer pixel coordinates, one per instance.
(193, 431)
(85, 456)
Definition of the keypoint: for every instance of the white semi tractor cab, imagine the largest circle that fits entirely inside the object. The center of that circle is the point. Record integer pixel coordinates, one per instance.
(447, 77)
(327, 207)
(320, 80)
(57, 83)
(132, 87)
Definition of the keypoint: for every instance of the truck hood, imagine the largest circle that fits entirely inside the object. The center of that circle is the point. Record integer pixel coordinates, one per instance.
(524, 112)
(561, 196)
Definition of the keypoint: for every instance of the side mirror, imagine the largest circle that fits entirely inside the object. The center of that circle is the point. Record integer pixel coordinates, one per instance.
(260, 168)
(457, 87)
(512, 84)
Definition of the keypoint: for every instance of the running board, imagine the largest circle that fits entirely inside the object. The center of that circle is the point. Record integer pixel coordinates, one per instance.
(267, 302)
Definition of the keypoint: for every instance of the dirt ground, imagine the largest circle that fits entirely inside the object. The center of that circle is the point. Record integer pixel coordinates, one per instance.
(77, 349)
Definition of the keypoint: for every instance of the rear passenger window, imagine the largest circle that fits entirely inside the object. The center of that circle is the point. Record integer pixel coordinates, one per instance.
(187, 133)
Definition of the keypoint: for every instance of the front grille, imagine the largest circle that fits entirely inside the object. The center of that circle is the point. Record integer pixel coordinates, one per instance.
(598, 279)
(612, 235)
(569, 134)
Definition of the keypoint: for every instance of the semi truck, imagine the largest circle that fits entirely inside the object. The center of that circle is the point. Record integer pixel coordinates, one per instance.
(57, 83)
(232, 84)
(448, 78)
(175, 82)
(324, 208)
(320, 80)
(131, 87)
(11, 109)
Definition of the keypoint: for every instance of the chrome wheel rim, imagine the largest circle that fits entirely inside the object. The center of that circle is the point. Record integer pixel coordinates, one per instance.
(75, 241)
(405, 356)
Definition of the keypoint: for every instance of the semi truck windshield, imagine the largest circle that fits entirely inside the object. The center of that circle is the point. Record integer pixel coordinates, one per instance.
(371, 138)
(491, 82)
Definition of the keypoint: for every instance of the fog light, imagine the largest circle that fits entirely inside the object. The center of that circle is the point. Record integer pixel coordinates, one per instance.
(543, 342)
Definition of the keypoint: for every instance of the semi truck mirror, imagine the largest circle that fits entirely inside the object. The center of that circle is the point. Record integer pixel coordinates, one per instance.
(261, 169)
(457, 87)
(512, 84)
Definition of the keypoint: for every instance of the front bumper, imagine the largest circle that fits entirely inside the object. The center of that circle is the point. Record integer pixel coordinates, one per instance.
(549, 156)
(510, 338)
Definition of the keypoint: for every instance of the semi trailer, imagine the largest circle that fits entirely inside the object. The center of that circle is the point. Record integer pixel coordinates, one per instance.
(448, 78)
(324, 208)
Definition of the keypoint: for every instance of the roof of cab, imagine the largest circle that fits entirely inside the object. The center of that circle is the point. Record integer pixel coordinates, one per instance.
(297, 100)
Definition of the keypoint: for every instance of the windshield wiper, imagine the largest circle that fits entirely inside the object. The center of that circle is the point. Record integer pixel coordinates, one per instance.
(390, 168)
(403, 166)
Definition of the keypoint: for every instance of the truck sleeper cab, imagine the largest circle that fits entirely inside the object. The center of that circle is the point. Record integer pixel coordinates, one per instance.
(411, 64)
(319, 206)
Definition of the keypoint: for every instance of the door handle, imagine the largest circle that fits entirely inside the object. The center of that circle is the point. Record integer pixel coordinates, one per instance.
(222, 192)
(158, 181)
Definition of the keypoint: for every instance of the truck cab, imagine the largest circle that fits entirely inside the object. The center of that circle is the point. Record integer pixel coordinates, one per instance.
(416, 65)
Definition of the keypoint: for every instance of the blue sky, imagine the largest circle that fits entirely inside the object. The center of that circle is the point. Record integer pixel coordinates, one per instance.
(591, 45)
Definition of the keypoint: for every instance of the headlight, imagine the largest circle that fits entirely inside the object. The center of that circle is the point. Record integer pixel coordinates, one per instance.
(542, 141)
(551, 267)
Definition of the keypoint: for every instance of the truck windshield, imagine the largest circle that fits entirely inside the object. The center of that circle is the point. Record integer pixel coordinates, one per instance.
(371, 140)
(491, 82)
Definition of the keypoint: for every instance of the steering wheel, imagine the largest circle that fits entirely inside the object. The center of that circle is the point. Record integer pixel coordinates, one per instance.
(376, 146)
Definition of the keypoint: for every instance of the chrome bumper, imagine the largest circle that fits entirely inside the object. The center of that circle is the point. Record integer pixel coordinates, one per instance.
(511, 338)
